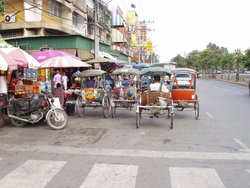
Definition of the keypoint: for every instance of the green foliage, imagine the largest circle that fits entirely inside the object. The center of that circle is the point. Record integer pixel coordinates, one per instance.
(181, 62)
(2, 6)
(214, 58)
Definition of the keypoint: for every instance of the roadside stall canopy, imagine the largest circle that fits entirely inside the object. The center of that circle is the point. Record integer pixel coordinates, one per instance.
(91, 72)
(126, 71)
(21, 58)
(6, 62)
(63, 62)
(48, 54)
(102, 60)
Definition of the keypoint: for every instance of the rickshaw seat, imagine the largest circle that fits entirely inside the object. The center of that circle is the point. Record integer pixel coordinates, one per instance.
(151, 97)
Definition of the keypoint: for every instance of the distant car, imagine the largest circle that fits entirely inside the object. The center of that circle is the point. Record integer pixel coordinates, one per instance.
(183, 79)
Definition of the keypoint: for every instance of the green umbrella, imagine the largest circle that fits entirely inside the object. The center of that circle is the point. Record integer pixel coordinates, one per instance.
(102, 60)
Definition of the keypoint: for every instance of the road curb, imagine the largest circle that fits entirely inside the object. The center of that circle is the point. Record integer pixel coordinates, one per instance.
(230, 81)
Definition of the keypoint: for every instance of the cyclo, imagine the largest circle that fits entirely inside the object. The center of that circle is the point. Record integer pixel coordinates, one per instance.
(93, 92)
(124, 92)
(184, 90)
(155, 102)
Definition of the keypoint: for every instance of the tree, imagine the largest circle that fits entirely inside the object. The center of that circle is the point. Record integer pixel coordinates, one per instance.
(2, 6)
(239, 59)
(247, 59)
(181, 61)
(213, 46)
(192, 60)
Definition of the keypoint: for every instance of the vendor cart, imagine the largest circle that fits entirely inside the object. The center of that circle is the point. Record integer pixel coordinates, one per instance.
(93, 92)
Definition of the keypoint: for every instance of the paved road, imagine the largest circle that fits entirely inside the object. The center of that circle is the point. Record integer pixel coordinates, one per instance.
(97, 152)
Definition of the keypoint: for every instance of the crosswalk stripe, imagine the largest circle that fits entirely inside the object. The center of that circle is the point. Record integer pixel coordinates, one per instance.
(33, 173)
(194, 177)
(108, 175)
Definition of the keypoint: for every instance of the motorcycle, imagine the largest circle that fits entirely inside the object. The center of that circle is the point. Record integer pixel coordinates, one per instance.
(34, 108)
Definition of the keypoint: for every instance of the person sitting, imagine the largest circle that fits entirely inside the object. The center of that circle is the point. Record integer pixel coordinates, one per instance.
(155, 86)
(60, 93)
(90, 83)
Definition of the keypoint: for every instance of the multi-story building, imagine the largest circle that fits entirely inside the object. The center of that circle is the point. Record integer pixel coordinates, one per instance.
(38, 23)
(120, 36)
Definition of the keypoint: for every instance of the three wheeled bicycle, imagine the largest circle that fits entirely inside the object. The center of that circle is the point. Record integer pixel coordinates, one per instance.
(93, 92)
(184, 90)
(124, 92)
(155, 99)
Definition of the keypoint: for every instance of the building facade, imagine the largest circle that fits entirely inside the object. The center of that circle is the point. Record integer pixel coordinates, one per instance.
(44, 18)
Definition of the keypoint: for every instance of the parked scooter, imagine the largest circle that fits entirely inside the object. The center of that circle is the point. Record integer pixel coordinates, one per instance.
(34, 108)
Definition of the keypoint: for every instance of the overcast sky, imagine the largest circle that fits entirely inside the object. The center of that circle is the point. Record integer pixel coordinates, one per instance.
(182, 26)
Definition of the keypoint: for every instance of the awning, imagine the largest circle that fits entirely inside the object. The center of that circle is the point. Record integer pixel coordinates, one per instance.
(105, 55)
(84, 55)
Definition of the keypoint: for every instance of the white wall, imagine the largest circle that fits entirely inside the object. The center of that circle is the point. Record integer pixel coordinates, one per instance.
(34, 14)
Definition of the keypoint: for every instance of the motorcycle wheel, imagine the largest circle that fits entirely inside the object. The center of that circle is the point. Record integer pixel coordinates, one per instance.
(55, 123)
(15, 122)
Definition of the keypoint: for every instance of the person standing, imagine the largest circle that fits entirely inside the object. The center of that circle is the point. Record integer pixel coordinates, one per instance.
(65, 81)
(57, 78)
(60, 93)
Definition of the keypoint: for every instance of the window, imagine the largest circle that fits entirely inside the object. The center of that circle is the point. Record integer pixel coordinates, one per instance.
(54, 8)
(79, 23)
(183, 75)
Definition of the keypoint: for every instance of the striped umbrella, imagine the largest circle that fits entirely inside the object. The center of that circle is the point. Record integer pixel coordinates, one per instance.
(63, 62)
(7, 62)
(21, 57)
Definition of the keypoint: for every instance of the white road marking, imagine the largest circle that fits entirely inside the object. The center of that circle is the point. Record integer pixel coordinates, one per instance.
(241, 144)
(209, 115)
(128, 153)
(248, 171)
(107, 175)
(33, 173)
(194, 177)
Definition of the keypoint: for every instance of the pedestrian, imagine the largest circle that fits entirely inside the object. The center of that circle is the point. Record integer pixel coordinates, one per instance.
(65, 81)
(57, 78)
(69, 75)
(60, 93)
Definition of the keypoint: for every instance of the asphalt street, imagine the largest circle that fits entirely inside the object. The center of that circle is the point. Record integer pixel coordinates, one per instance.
(92, 151)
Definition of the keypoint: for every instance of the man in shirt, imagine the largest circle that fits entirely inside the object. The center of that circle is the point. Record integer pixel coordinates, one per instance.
(57, 78)
(155, 86)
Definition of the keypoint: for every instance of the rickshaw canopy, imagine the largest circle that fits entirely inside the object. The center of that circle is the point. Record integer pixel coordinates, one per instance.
(151, 70)
(126, 71)
(188, 70)
(91, 72)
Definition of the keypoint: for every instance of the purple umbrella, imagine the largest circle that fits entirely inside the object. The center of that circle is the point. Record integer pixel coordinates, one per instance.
(44, 55)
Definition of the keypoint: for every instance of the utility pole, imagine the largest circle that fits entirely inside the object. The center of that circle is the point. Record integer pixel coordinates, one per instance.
(96, 37)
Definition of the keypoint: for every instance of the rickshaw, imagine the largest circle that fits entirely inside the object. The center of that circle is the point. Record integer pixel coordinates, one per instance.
(93, 92)
(156, 103)
(184, 90)
(124, 91)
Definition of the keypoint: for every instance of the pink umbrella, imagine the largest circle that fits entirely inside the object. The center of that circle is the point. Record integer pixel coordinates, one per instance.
(7, 62)
(63, 62)
(21, 57)
(47, 54)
